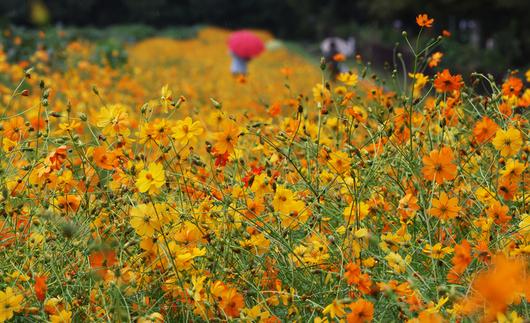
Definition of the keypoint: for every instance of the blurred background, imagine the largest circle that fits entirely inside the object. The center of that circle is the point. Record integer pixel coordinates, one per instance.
(486, 35)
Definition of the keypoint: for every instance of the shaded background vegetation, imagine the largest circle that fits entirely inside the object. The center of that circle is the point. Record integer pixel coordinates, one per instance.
(488, 35)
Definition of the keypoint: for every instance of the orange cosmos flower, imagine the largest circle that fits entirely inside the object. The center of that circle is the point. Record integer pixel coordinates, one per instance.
(232, 302)
(15, 128)
(361, 311)
(507, 188)
(229, 299)
(103, 158)
(101, 260)
(439, 166)
(286, 71)
(68, 203)
(56, 158)
(352, 273)
(484, 130)
(427, 316)
(408, 206)
(9, 234)
(445, 208)
(355, 277)
(241, 79)
(461, 260)
(482, 251)
(498, 212)
(40, 287)
(254, 207)
(227, 139)
(512, 86)
(274, 109)
(506, 109)
(502, 285)
(339, 57)
(423, 20)
(435, 59)
(445, 82)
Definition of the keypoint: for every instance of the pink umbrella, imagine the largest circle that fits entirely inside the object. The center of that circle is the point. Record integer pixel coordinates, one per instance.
(245, 44)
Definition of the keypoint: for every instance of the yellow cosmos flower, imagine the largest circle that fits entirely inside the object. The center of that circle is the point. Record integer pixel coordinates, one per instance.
(186, 130)
(63, 316)
(152, 318)
(335, 309)
(508, 142)
(513, 170)
(397, 263)
(282, 197)
(340, 90)
(69, 126)
(513, 317)
(321, 94)
(524, 225)
(340, 161)
(114, 120)
(437, 251)
(144, 220)
(350, 79)
(8, 144)
(419, 82)
(166, 97)
(10, 303)
(350, 212)
(151, 179)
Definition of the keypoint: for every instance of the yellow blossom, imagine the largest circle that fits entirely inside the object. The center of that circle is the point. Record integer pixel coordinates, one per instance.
(508, 142)
(10, 303)
(437, 251)
(151, 179)
(348, 78)
(187, 130)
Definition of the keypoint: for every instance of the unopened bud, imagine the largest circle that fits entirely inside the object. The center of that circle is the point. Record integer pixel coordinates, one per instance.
(27, 73)
(216, 104)
(300, 108)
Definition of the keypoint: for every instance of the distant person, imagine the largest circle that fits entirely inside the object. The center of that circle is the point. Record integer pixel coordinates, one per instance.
(239, 65)
(335, 50)
(244, 46)
(330, 58)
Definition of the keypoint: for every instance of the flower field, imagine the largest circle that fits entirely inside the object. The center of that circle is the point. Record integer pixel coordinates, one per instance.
(166, 190)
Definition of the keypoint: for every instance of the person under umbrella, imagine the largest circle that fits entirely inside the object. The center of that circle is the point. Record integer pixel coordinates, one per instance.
(244, 46)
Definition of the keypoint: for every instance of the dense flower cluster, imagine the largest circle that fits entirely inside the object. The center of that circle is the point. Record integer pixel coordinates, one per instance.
(167, 190)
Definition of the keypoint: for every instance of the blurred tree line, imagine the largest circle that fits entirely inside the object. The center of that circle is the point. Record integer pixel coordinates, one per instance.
(488, 32)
